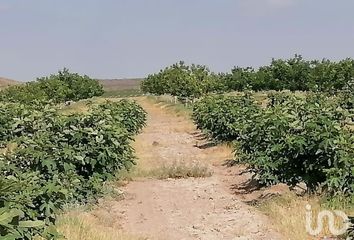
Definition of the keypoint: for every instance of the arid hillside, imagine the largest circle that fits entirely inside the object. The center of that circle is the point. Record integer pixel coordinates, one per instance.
(120, 84)
(5, 82)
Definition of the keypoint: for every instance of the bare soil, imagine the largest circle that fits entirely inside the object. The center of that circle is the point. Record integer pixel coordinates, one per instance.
(5, 82)
(193, 208)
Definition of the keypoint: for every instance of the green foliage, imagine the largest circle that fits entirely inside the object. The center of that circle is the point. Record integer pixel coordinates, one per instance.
(180, 80)
(60, 159)
(351, 228)
(28, 93)
(18, 217)
(295, 74)
(9, 218)
(239, 79)
(128, 113)
(292, 140)
(19, 120)
(217, 115)
(64, 86)
(346, 99)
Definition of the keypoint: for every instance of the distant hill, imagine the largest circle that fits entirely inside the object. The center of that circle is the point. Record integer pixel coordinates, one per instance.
(5, 82)
(121, 84)
(127, 87)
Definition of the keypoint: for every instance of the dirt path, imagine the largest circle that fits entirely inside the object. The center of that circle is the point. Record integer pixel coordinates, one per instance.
(203, 208)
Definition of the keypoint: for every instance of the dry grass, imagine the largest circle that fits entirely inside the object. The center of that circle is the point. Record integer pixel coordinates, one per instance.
(182, 170)
(76, 107)
(171, 105)
(9, 148)
(80, 106)
(175, 170)
(79, 225)
(288, 215)
(83, 106)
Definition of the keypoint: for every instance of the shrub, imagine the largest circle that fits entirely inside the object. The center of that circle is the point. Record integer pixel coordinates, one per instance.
(15, 208)
(181, 80)
(217, 115)
(128, 113)
(294, 74)
(64, 86)
(62, 159)
(292, 140)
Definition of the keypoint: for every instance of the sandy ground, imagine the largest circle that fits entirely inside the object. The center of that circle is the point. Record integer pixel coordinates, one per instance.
(204, 208)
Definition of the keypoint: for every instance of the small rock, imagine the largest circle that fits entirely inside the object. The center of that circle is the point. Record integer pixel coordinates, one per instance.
(300, 189)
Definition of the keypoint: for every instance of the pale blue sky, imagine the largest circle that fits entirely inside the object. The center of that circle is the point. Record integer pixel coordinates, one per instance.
(131, 38)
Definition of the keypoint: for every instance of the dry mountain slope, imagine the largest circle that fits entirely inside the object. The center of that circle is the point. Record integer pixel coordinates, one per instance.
(120, 84)
(5, 82)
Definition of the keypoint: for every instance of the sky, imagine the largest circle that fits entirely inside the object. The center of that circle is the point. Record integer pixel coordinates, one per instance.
(133, 38)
